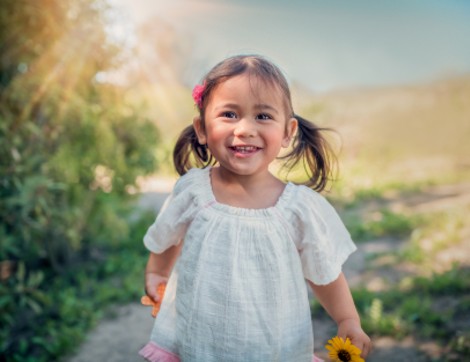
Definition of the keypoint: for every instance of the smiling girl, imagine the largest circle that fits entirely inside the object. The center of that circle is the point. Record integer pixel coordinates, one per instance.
(235, 244)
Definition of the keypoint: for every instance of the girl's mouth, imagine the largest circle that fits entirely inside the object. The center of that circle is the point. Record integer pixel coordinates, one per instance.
(244, 149)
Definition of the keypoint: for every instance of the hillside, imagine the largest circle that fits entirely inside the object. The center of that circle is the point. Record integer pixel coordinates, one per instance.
(420, 129)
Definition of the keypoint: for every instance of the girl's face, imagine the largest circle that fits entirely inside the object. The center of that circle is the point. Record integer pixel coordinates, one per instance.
(246, 125)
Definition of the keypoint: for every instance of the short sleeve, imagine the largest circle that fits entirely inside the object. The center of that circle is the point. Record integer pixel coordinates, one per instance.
(174, 217)
(322, 240)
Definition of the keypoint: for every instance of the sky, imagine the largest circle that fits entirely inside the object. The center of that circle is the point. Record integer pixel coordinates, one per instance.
(322, 44)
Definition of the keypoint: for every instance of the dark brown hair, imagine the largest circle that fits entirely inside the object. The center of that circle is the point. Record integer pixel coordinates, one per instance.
(309, 147)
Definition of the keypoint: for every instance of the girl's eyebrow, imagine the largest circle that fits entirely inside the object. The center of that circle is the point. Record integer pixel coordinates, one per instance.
(226, 105)
(264, 106)
(259, 107)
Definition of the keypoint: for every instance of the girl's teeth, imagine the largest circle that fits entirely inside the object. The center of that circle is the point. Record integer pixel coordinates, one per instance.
(244, 149)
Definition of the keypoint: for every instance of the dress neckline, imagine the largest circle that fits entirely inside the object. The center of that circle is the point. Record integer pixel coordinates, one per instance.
(241, 211)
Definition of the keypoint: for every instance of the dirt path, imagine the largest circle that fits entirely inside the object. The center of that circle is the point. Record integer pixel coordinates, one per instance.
(118, 339)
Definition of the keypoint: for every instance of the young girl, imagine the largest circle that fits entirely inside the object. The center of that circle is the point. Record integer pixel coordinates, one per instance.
(234, 243)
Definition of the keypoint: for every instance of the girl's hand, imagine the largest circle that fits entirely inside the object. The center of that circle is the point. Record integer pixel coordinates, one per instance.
(352, 328)
(152, 281)
(158, 269)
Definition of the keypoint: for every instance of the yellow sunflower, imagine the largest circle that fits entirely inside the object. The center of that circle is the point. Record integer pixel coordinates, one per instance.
(343, 351)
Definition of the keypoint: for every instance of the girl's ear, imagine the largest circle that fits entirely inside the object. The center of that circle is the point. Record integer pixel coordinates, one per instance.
(200, 131)
(291, 128)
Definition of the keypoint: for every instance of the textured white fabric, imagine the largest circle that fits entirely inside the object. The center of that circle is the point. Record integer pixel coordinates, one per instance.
(237, 292)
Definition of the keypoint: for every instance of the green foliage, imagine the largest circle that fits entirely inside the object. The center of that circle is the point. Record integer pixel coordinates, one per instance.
(427, 307)
(66, 140)
(437, 231)
(460, 345)
(70, 147)
(353, 196)
(64, 308)
(384, 223)
(454, 282)
(367, 214)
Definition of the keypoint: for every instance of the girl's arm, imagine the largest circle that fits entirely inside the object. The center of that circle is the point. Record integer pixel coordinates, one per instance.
(158, 269)
(337, 300)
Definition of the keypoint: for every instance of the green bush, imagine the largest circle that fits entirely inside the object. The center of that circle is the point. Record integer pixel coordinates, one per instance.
(70, 148)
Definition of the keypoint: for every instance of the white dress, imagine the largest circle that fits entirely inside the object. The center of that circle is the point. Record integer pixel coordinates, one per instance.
(237, 291)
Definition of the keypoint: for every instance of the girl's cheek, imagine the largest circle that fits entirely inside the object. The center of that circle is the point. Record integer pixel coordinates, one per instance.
(217, 132)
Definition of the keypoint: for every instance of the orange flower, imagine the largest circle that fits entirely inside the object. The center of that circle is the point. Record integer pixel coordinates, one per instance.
(146, 300)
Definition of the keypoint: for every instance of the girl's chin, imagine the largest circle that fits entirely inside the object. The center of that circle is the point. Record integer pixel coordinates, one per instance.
(242, 170)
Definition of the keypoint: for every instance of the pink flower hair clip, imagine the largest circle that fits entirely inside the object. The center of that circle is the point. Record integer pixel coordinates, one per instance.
(198, 90)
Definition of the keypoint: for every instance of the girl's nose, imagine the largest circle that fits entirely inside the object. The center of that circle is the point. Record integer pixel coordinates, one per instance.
(245, 128)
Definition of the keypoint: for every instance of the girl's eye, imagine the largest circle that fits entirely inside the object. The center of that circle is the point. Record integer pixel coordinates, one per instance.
(263, 116)
(229, 115)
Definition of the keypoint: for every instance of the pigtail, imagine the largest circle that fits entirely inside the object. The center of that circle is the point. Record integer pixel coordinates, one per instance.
(188, 151)
(312, 149)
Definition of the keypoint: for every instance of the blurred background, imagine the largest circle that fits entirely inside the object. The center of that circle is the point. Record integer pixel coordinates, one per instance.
(93, 94)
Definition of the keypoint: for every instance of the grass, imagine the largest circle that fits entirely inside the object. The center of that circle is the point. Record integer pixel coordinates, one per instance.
(440, 231)
(383, 223)
(418, 308)
(428, 235)
(427, 308)
(432, 306)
